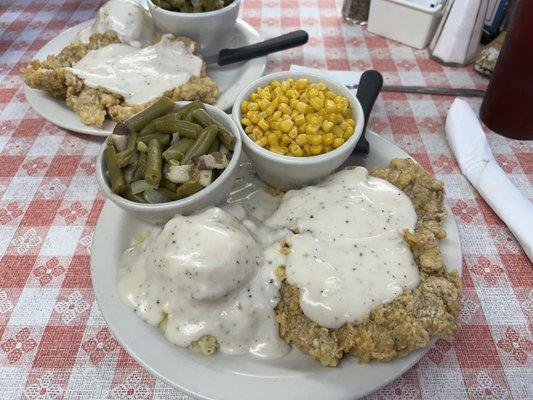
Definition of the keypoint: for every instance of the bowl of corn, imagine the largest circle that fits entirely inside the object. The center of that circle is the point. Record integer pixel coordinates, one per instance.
(297, 127)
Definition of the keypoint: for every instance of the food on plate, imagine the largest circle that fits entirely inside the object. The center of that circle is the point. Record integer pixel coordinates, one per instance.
(192, 6)
(297, 118)
(131, 22)
(107, 77)
(348, 266)
(167, 152)
(408, 321)
(203, 281)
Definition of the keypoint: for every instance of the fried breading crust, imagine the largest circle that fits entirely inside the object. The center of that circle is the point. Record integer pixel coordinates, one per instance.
(394, 329)
(93, 105)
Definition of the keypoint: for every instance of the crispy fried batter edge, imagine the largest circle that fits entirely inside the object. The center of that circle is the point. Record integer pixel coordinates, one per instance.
(394, 329)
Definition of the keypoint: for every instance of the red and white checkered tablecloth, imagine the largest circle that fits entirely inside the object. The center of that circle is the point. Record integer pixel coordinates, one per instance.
(54, 343)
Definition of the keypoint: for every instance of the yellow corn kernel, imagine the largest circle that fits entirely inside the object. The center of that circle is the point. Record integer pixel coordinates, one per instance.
(337, 142)
(296, 150)
(286, 125)
(285, 117)
(262, 115)
(299, 120)
(252, 136)
(343, 125)
(263, 104)
(253, 106)
(334, 117)
(327, 125)
(350, 122)
(283, 99)
(285, 85)
(331, 95)
(284, 108)
(347, 133)
(314, 139)
(246, 122)
(315, 149)
(257, 132)
(265, 95)
(249, 129)
(302, 128)
(346, 113)
(292, 94)
(274, 125)
(293, 133)
(276, 115)
(293, 102)
(330, 106)
(317, 103)
(278, 91)
(300, 84)
(327, 139)
(311, 129)
(252, 116)
(301, 139)
(278, 133)
(320, 87)
(301, 107)
(244, 106)
(278, 149)
(311, 93)
(304, 98)
(307, 148)
(337, 131)
(272, 139)
(253, 97)
(263, 124)
(286, 139)
(275, 83)
(327, 149)
(294, 114)
(262, 141)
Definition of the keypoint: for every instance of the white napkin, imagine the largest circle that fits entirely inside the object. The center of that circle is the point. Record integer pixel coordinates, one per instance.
(343, 77)
(472, 151)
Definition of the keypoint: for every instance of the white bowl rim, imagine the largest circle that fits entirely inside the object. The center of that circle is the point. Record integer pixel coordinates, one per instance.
(159, 207)
(235, 3)
(236, 113)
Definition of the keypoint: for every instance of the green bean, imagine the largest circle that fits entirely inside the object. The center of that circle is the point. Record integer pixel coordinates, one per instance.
(148, 129)
(159, 108)
(184, 128)
(169, 194)
(178, 149)
(203, 118)
(169, 185)
(164, 139)
(154, 163)
(186, 110)
(140, 169)
(124, 156)
(133, 197)
(188, 189)
(214, 147)
(118, 185)
(201, 145)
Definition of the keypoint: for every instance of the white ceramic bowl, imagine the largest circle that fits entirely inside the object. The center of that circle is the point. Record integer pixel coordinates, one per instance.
(215, 193)
(211, 30)
(285, 172)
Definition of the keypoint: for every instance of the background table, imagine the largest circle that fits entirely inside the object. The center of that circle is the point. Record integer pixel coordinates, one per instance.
(53, 341)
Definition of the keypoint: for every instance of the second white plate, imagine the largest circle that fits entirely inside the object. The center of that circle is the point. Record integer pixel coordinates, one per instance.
(226, 377)
(230, 79)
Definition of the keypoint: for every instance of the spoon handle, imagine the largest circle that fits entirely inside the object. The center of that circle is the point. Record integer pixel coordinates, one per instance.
(369, 87)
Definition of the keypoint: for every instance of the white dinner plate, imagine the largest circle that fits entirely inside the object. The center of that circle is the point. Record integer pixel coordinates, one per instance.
(231, 79)
(226, 377)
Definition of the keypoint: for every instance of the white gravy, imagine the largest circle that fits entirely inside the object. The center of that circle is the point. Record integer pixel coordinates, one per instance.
(347, 252)
(132, 23)
(139, 75)
(208, 274)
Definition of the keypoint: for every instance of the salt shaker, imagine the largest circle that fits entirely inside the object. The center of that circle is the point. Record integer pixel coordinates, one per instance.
(355, 11)
(457, 37)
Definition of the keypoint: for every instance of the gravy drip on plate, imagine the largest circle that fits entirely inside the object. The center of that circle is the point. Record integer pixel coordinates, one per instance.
(208, 276)
(139, 75)
(347, 254)
(132, 23)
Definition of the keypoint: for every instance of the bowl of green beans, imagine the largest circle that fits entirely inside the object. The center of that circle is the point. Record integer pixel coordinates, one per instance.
(209, 23)
(172, 158)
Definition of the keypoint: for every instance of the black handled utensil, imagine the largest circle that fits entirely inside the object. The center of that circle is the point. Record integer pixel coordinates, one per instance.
(369, 87)
(283, 42)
